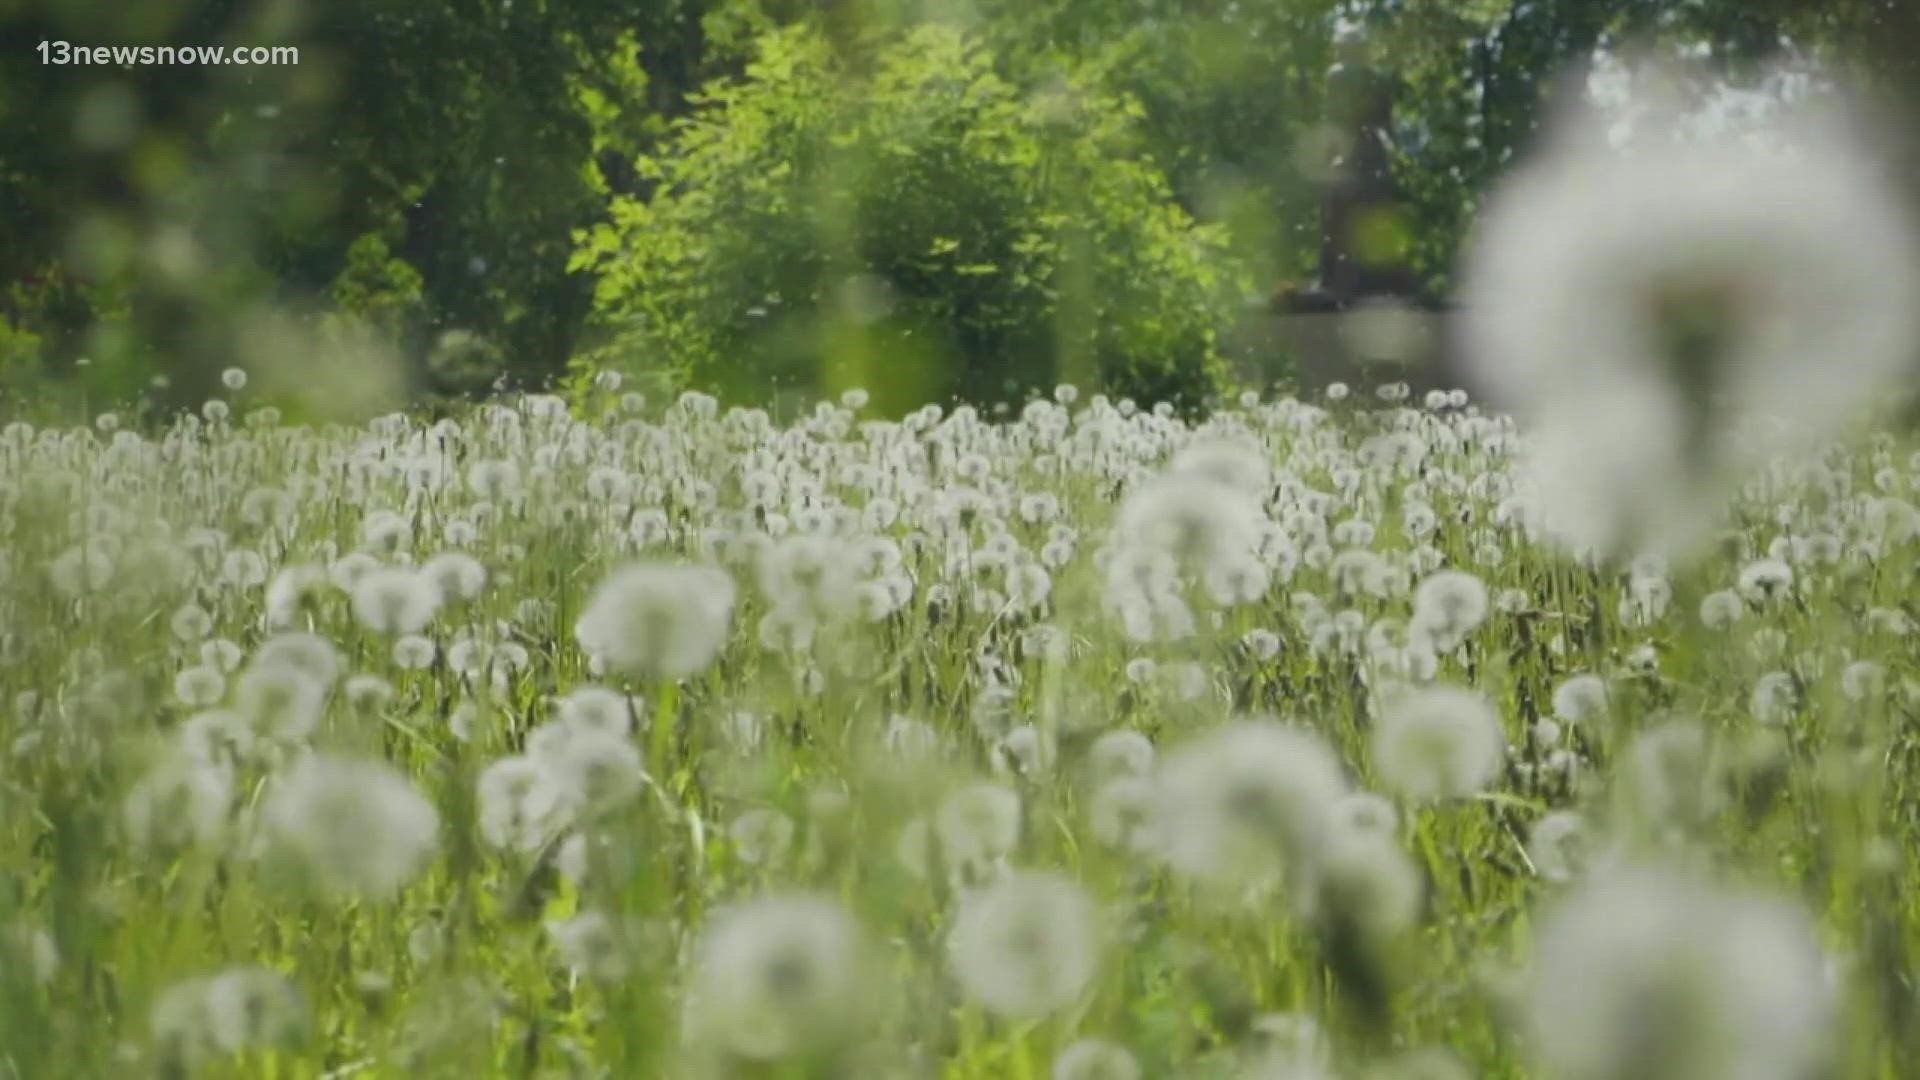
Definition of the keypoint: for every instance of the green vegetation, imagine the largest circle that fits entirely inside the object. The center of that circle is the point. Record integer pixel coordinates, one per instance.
(485, 170)
(724, 539)
(924, 231)
(868, 670)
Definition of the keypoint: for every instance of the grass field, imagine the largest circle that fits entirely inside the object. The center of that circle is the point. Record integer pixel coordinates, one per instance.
(649, 739)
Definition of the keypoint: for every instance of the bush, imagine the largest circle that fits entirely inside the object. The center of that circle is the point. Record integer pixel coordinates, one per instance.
(924, 229)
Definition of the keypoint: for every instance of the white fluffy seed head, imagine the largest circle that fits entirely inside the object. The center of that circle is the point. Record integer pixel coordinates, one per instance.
(182, 802)
(347, 827)
(662, 620)
(1233, 463)
(1721, 609)
(600, 709)
(1438, 743)
(1671, 778)
(199, 686)
(1629, 305)
(282, 702)
(520, 805)
(1120, 752)
(777, 977)
(1364, 885)
(253, 1006)
(1863, 681)
(1247, 803)
(596, 944)
(294, 591)
(1557, 846)
(1582, 700)
(457, 576)
(200, 1018)
(978, 824)
(595, 770)
(1449, 605)
(1196, 520)
(811, 576)
(190, 624)
(309, 654)
(395, 600)
(1774, 698)
(1026, 945)
(1647, 974)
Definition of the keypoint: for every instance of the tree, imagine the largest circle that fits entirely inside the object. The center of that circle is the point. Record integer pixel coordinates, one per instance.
(924, 229)
(440, 145)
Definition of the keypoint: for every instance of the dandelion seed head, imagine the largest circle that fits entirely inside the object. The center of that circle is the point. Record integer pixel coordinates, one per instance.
(190, 624)
(282, 702)
(1246, 802)
(1027, 945)
(1582, 700)
(455, 575)
(413, 652)
(1438, 743)
(1672, 777)
(1364, 884)
(520, 805)
(1120, 752)
(595, 770)
(349, 827)
(1450, 605)
(597, 708)
(1666, 290)
(395, 600)
(199, 686)
(309, 654)
(1557, 846)
(596, 944)
(182, 802)
(776, 976)
(761, 837)
(1774, 699)
(659, 619)
(978, 823)
(1650, 974)
(253, 1006)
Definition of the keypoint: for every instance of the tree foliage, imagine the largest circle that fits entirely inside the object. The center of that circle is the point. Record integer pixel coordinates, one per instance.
(426, 168)
(927, 228)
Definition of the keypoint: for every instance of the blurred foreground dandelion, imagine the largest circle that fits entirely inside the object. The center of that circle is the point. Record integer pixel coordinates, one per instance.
(777, 976)
(1247, 803)
(1636, 306)
(1027, 944)
(658, 619)
(347, 827)
(1649, 974)
(1437, 743)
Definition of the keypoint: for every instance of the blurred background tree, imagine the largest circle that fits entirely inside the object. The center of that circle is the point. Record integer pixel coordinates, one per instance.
(431, 169)
(926, 230)
(421, 165)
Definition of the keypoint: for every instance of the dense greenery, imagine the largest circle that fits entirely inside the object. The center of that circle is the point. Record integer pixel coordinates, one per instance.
(439, 170)
(885, 642)
(552, 810)
(925, 230)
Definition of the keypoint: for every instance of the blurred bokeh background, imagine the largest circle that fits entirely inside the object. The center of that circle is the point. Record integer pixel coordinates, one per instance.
(924, 198)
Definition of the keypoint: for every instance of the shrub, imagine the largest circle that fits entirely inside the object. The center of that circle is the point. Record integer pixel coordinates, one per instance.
(924, 228)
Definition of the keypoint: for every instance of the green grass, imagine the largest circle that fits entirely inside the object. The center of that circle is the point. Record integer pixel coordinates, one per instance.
(458, 975)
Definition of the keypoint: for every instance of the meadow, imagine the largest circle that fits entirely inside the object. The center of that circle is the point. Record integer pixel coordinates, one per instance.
(963, 725)
(610, 737)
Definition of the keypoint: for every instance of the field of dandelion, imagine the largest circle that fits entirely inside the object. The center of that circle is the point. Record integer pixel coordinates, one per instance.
(620, 738)
(1352, 735)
